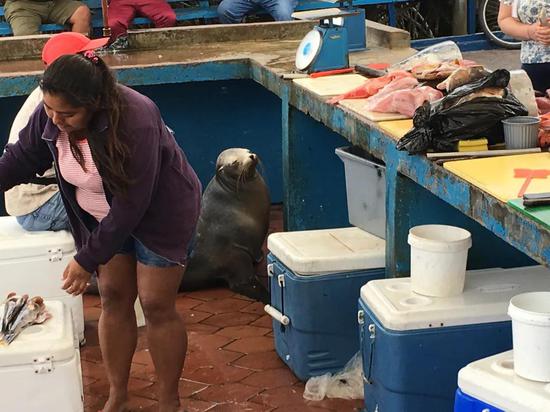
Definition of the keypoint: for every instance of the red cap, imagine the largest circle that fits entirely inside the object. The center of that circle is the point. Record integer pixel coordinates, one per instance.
(69, 43)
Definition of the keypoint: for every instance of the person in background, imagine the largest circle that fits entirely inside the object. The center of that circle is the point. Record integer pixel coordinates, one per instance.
(26, 16)
(521, 19)
(122, 12)
(38, 205)
(234, 11)
(133, 202)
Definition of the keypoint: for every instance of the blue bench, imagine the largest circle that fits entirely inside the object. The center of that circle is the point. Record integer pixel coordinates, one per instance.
(203, 10)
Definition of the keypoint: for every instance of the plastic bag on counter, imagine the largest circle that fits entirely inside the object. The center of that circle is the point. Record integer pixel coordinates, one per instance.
(346, 384)
(471, 111)
(437, 53)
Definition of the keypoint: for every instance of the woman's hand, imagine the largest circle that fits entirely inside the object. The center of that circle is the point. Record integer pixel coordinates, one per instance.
(75, 278)
(539, 33)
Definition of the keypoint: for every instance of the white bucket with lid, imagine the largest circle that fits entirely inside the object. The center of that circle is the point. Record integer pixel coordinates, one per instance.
(438, 259)
(530, 313)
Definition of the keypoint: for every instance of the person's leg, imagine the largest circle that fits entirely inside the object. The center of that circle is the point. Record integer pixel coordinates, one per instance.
(280, 10)
(234, 11)
(121, 14)
(23, 17)
(539, 73)
(73, 12)
(117, 326)
(159, 11)
(50, 216)
(166, 334)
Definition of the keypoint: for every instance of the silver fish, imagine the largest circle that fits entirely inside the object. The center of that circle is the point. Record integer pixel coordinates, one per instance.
(19, 313)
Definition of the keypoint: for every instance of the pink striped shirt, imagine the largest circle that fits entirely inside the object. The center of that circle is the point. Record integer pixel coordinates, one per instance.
(90, 194)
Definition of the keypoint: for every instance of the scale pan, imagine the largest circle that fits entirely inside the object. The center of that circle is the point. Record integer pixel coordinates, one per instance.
(308, 49)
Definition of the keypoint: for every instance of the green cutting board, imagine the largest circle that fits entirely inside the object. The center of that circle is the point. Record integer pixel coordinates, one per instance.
(540, 214)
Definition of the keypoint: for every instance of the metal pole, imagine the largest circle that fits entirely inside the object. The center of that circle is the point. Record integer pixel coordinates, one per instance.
(105, 11)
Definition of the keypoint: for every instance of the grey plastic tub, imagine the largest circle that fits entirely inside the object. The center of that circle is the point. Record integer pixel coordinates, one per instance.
(521, 132)
(366, 190)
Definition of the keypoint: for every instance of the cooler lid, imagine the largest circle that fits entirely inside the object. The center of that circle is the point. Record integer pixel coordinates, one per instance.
(485, 299)
(492, 380)
(54, 338)
(313, 252)
(16, 243)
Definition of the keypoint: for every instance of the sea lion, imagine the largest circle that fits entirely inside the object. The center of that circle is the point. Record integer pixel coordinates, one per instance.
(232, 227)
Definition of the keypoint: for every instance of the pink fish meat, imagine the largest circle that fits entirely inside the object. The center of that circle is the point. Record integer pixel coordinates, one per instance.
(404, 101)
(370, 87)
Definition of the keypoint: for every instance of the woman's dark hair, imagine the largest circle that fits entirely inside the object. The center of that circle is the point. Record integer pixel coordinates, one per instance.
(87, 82)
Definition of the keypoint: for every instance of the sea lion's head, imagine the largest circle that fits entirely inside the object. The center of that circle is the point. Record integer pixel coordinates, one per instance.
(237, 164)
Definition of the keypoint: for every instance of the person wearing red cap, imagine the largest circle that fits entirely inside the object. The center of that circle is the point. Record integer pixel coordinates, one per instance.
(26, 16)
(38, 205)
(122, 12)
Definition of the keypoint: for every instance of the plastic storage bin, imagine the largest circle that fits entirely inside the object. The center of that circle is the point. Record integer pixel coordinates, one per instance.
(413, 346)
(365, 189)
(33, 263)
(315, 279)
(40, 370)
(490, 385)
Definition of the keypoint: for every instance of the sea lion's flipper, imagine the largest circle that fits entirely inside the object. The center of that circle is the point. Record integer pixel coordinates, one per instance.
(256, 256)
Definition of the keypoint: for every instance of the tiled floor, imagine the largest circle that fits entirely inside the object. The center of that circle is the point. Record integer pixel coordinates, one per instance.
(231, 363)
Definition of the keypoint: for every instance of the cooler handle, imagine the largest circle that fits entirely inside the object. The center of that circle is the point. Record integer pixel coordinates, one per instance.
(278, 316)
(372, 331)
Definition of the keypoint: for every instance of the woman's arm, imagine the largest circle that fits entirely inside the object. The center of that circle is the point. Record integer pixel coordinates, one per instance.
(521, 31)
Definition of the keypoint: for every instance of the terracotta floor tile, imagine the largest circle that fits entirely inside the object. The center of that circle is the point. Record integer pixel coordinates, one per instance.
(255, 307)
(242, 297)
(206, 343)
(277, 397)
(271, 378)
(136, 403)
(341, 404)
(90, 333)
(222, 305)
(195, 405)
(303, 408)
(184, 303)
(217, 374)
(91, 313)
(231, 392)
(93, 403)
(91, 353)
(145, 372)
(246, 331)
(260, 361)
(211, 294)
(101, 387)
(98, 388)
(239, 407)
(91, 300)
(251, 345)
(224, 320)
(200, 359)
(201, 328)
(193, 316)
(142, 357)
(92, 369)
(186, 387)
(86, 380)
(264, 322)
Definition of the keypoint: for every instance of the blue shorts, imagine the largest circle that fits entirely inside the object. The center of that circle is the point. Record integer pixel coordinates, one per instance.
(143, 255)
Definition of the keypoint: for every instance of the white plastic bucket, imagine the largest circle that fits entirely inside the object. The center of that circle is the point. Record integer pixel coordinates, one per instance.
(530, 313)
(438, 259)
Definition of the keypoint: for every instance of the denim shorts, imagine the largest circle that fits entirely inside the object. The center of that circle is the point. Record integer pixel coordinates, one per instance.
(143, 255)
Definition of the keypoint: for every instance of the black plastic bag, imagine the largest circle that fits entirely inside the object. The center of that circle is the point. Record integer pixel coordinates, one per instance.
(441, 124)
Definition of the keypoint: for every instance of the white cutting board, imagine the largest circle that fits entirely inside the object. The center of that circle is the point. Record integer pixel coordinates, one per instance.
(331, 85)
(358, 106)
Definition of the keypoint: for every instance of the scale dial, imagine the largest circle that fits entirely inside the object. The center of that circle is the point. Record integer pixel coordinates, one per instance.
(308, 49)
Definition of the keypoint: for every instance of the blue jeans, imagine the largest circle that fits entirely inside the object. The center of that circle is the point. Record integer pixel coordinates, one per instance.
(50, 216)
(234, 11)
(143, 255)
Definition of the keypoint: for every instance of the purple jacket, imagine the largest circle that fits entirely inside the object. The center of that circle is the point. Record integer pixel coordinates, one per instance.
(162, 206)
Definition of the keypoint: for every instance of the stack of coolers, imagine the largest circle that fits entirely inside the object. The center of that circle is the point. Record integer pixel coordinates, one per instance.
(33, 263)
(315, 278)
(517, 380)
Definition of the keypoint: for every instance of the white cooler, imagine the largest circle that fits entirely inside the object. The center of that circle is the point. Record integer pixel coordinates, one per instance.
(40, 371)
(32, 263)
(491, 385)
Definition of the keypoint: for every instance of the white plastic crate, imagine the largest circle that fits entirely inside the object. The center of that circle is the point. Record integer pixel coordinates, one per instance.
(366, 190)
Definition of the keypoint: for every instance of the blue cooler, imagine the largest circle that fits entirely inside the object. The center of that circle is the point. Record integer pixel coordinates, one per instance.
(490, 385)
(413, 346)
(315, 279)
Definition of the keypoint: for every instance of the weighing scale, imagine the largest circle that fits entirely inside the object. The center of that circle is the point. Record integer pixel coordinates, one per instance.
(326, 46)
